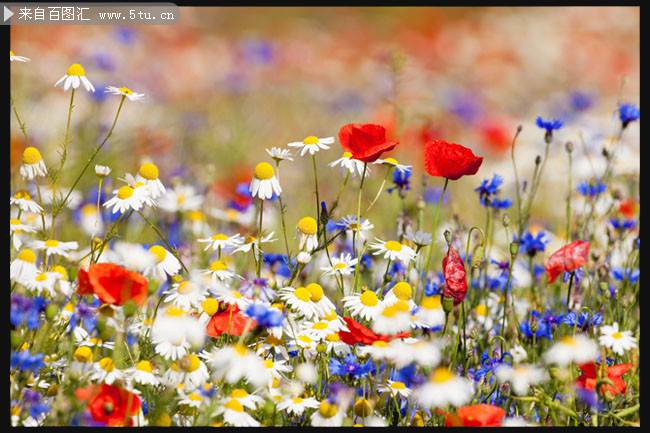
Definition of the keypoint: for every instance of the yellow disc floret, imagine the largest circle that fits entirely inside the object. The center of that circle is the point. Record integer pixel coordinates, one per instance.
(31, 155)
(76, 69)
(312, 139)
(124, 192)
(315, 292)
(159, 252)
(393, 246)
(149, 171)
(307, 225)
(264, 171)
(27, 255)
(368, 298)
(403, 291)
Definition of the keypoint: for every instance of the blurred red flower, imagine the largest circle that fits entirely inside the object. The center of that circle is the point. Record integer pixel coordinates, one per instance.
(110, 404)
(589, 377)
(627, 208)
(450, 160)
(366, 142)
(567, 259)
(229, 321)
(496, 136)
(453, 271)
(477, 415)
(359, 334)
(112, 284)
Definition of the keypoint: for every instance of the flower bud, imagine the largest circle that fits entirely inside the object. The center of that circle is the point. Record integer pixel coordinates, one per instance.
(506, 220)
(477, 257)
(130, 308)
(514, 248)
(569, 147)
(102, 170)
(418, 420)
(362, 408)
(50, 311)
(321, 348)
(538, 160)
(448, 237)
(447, 304)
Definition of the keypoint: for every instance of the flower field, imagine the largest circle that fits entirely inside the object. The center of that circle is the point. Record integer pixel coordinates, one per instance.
(269, 217)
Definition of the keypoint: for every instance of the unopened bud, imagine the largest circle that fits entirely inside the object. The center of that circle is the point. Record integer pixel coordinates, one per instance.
(321, 348)
(477, 257)
(447, 304)
(514, 248)
(130, 308)
(362, 408)
(538, 160)
(51, 311)
(569, 147)
(506, 220)
(102, 170)
(448, 237)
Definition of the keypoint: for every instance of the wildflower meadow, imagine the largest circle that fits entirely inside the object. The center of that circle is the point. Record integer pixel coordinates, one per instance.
(300, 223)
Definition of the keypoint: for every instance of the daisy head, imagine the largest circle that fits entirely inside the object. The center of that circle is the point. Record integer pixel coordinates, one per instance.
(365, 305)
(445, 388)
(278, 154)
(308, 230)
(577, 348)
(352, 166)
(264, 183)
(312, 144)
(393, 250)
(14, 58)
(618, 341)
(74, 77)
(124, 92)
(33, 165)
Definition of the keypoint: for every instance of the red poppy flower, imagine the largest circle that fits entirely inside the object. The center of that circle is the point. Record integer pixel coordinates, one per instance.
(496, 136)
(366, 142)
(110, 404)
(450, 160)
(477, 415)
(229, 321)
(589, 377)
(359, 334)
(112, 284)
(453, 271)
(627, 208)
(567, 259)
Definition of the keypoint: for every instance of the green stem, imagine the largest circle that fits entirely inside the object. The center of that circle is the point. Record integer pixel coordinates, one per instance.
(259, 236)
(358, 227)
(434, 228)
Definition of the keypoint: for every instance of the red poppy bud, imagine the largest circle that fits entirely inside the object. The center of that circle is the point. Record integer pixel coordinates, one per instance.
(453, 270)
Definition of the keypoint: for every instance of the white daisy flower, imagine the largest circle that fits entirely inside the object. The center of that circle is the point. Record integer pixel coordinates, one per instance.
(327, 415)
(303, 257)
(175, 331)
(234, 415)
(483, 316)
(393, 250)
(126, 198)
(231, 297)
(312, 144)
(298, 405)
(193, 399)
(124, 91)
(520, 377)
(300, 300)
(24, 201)
(74, 76)
(253, 243)
(618, 341)
(219, 272)
(55, 247)
(186, 295)
(276, 368)
(62, 279)
(365, 305)
(33, 165)
(23, 267)
(15, 58)
(393, 319)
(279, 154)
(166, 263)
(392, 162)
(264, 182)
(349, 224)
(134, 256)
(430, 314)
(90, 220)
(148, 174)
(341, 265)
(222, 242)
(334, 344)
(17, 229)
(181, 198)
(353, 166)
(234, 363)
(249, 401)
(105, 371)
(394, 388)
(401, 291)
(411, 350)
(443, 389)
(234, 216)
(307, 229)
(143, 373)
(42, 282)
(578, 349)
(189, 371)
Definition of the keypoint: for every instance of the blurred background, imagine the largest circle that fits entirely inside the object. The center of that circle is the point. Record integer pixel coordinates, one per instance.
(226, 83)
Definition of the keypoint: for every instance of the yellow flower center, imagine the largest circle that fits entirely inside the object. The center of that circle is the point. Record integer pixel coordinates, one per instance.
(234, 405)
(331, 315)
(617, 335)
(481, 310)
(315, 292)
(389, 312)
(568, 340)
(218, 265)
(159, 252)
(174, 312)
(195, 215)
(305, 339)
(126, 91)
(268, 363)
(398, 385)
(61, 271)
(195, 397)
(312, 139)
(41, 277)
(149, 171)
(184, 287)
(368, 298)
(303, 294)
(402, 290)
(190, 363)
(83, 354)
(333, 338)
(240, 349)
(307, 225)
(23, 195)
(76, 69)
(401, 306)
(106, 364)
(347, 154)
(144, 366)
(219, 237)
(327, 410)
(124, 192)
(88, 209)
(340, 266)
(391, 161)
(14, 221)
(264, 171)
(239, 393)
(27, 255)
(296, 400)
(319, 325)
(51, 243)
(31, 155)
(236, 295)
(393, 246)
(431, 302)
(210, 306)
(441, 375)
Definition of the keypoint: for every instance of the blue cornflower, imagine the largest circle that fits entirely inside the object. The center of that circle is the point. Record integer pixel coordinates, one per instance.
(577, 276)
(628, 113)
(26, 310)
(432, 195)
(33, 401)
(265, 317)
(84, 315)
(543, 323)
(366, 261)
(623, 224)
(549, 126)
(582, 321)
(432, 287)
(351, 366)
(401, 181)
(591, 189)
(409, 376)
(24, 360)
(581, 101)
(631, 275)
(531, 245)
(488, 365)
(538, 271)
(488, 191)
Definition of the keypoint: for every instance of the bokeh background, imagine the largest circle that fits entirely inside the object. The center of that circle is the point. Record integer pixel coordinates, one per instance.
(226, 83)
